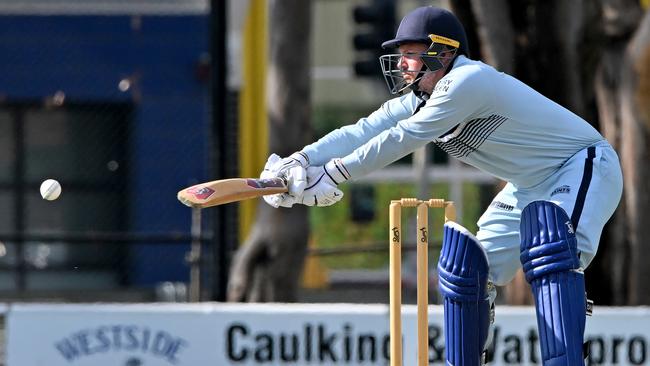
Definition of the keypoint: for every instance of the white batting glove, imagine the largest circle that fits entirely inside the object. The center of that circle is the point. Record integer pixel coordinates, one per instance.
(293, 170)
(323, 181)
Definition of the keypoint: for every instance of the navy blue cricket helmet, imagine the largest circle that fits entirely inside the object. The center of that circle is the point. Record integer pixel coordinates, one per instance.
(434, 27)
(418, 25)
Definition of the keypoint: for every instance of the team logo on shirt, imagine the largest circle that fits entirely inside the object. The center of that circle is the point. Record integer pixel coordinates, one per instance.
(561, 189)
(442, 86)
(502, 206)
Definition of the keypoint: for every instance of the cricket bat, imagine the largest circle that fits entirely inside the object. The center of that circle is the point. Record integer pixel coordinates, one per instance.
(219, 192)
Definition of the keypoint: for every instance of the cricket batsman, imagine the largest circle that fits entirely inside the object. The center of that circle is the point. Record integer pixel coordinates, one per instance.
(563, 179)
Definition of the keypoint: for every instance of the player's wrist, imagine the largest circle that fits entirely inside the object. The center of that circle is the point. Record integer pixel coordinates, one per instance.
(336, 171)
(301, 158)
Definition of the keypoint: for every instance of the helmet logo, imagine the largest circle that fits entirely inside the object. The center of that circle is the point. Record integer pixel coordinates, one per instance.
(444, 40)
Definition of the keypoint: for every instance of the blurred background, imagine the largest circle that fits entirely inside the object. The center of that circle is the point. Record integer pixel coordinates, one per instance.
(127, 102)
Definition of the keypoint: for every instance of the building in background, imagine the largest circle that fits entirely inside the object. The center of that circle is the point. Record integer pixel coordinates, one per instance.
(111, 99)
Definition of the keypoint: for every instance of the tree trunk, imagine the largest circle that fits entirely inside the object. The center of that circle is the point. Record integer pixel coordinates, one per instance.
(614, 266)
(610, 265)
(635, 154)
(496, 34)
(268, 265)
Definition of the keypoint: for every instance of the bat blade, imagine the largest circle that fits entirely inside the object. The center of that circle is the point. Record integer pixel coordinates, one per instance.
(219, 192)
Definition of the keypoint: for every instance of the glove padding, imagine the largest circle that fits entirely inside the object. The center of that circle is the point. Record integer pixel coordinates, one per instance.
(322, 184)
(293, 170)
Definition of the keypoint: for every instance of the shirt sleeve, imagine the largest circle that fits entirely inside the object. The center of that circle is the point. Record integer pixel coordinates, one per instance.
(345, 140)
(456, 98)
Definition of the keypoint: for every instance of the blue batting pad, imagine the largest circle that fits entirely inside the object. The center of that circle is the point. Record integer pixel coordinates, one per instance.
(549, 256)
(462, 276)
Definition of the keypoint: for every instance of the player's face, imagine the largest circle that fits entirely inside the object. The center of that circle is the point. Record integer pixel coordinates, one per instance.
(410, 63)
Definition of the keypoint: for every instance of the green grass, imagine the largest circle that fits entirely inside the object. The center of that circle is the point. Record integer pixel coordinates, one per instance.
(332, 226)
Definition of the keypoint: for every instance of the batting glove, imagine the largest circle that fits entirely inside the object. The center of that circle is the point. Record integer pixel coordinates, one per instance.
(323, 181)
(293, 170)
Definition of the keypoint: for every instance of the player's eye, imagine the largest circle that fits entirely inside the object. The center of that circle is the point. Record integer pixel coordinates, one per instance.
(410, 55)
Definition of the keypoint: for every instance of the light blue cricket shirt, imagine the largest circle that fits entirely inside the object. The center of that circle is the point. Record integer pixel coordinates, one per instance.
(483, 117)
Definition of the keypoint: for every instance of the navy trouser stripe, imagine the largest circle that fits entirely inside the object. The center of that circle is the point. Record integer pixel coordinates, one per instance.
(584, 186)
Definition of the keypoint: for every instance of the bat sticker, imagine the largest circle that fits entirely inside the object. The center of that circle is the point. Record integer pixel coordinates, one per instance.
(264, 183)
(201, 193)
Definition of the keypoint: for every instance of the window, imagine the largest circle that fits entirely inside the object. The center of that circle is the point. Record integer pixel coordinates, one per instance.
(45, 244)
